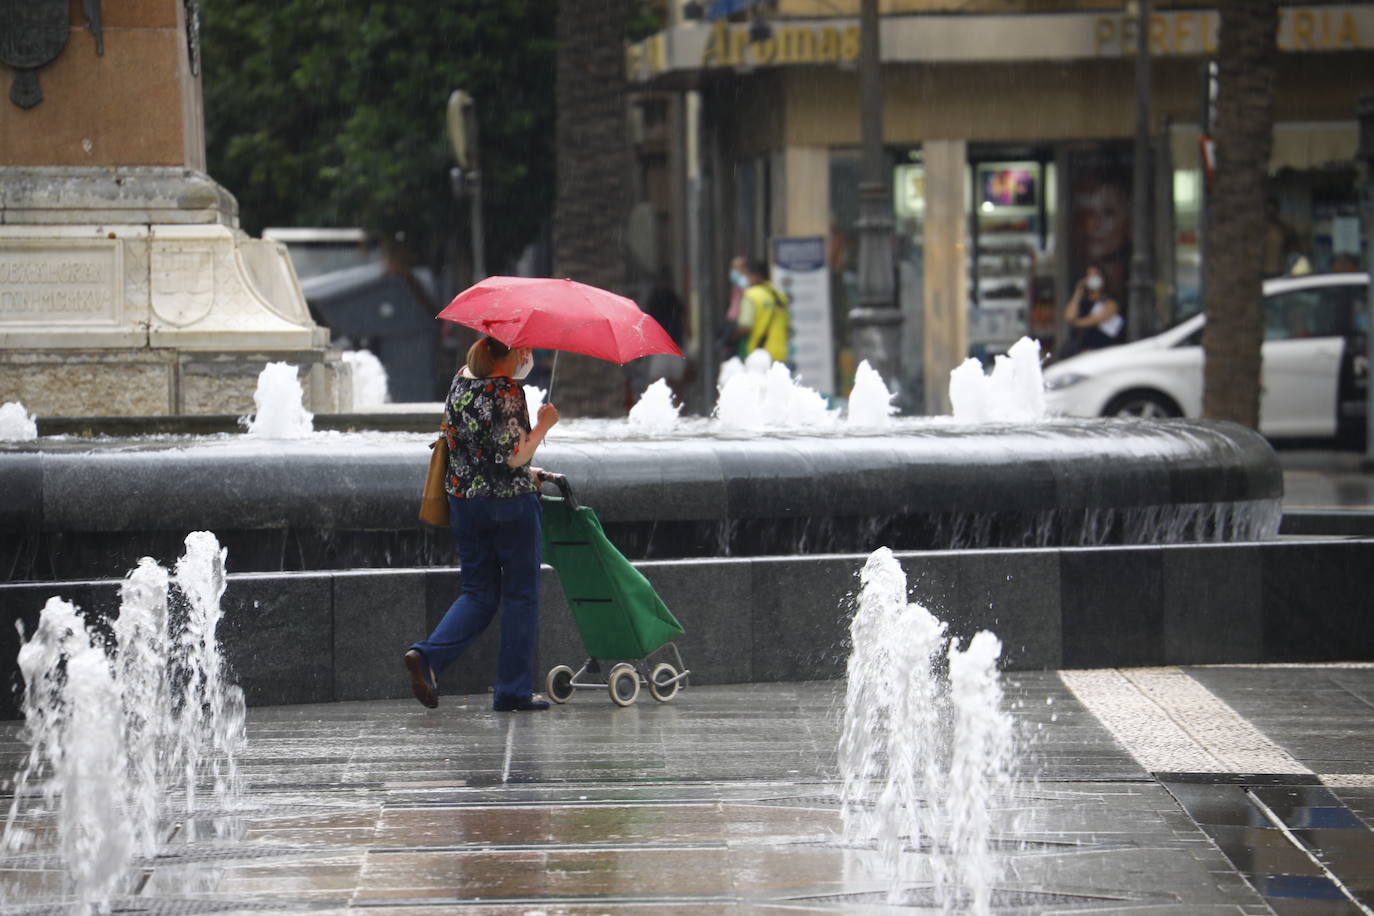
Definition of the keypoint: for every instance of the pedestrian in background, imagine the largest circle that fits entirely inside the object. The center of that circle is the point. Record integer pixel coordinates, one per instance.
(726, 343)
(764, 322)
(664, 305)
(1094, 318)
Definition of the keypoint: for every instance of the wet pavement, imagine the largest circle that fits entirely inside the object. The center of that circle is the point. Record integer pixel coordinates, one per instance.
(1326, 479)
(1209, 790)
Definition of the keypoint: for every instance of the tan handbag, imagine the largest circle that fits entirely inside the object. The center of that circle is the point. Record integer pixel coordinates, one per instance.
(434, 503)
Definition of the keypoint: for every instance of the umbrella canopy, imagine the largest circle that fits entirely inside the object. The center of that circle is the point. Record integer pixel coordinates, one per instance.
(559, 315)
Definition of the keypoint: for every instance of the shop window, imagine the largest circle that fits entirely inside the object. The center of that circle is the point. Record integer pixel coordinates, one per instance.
(1187, 243)
(1011, 284)
(909, 215)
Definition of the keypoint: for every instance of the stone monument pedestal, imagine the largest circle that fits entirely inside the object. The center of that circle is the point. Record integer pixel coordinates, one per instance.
(131, 291)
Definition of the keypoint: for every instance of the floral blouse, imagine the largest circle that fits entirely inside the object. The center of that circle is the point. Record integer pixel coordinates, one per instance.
(483, 420)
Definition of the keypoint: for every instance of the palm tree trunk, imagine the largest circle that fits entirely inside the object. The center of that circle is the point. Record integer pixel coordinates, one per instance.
(591, 195)
(1247, 51)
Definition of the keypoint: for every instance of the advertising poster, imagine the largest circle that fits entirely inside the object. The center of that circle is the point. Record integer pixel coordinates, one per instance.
(1100, 216)
(800, 271)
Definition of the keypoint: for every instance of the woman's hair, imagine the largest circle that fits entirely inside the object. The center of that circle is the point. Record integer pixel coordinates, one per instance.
(482, 356)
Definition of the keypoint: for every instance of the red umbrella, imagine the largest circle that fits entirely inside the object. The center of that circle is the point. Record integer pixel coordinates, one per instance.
(559, 315)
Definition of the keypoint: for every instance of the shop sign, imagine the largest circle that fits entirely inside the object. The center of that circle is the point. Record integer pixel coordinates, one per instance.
(648, 58)
(726, 45)
(1322, 28)
(1006, 38)
(789, 44)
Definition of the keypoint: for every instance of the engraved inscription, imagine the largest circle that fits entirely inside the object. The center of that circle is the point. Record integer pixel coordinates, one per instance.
(56, 283)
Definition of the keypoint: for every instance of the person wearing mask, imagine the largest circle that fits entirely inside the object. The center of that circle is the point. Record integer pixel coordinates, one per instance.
(763, 318)
(493, 495)
(726, 345)
(1093, 317)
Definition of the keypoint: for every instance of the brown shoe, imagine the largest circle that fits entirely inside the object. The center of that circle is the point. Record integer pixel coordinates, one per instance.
(423, 687)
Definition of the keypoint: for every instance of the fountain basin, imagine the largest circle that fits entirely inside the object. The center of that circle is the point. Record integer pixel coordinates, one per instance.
(72, 508)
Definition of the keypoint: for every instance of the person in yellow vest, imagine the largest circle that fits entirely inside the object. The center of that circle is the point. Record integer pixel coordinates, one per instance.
(764, 322)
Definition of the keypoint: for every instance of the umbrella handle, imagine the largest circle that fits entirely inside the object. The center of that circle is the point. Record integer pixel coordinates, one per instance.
(548, 397)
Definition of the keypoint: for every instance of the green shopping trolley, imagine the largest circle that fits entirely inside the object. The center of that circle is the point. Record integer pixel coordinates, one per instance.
(621, 619)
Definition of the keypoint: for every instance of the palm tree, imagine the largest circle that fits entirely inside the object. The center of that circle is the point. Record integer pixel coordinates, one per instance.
(1247, 52)
(591, 184)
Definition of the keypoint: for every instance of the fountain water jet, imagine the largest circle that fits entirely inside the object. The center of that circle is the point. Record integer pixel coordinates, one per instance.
(919, 761)
(1014, 392)
(281, 412)
(119, 725)
(16, 424)
(141, 638)
(890, 742)
(870, 403)
(369, 379)
(981, 764)
(96, 837)
(76, 743)
(760, 394)
(655, 410)
(212, 710)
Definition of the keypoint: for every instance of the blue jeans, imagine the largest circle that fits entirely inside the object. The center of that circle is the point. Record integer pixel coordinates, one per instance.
(498, 556)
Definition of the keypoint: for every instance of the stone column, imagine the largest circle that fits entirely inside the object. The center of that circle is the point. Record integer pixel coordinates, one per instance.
(946, 269)
(126, 286)
(808, 190)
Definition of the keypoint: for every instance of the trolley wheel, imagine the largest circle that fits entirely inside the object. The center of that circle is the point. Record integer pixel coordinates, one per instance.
(558, 685)
(663, 683)
(624, 684)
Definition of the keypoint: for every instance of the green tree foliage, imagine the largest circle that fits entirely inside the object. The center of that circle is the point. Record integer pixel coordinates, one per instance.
(332, 113)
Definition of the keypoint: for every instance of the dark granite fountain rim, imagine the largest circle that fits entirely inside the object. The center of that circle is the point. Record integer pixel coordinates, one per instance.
(167, 433)
(372, 482)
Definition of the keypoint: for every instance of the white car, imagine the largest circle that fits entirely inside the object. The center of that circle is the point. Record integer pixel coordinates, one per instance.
(1314, 374)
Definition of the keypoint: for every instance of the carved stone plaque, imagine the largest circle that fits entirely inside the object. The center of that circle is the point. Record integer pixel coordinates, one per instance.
(58, 283)
(183, 283)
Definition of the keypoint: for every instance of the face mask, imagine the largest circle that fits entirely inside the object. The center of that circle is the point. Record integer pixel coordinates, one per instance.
(739, 279)
(1094, 283)
(524, 368)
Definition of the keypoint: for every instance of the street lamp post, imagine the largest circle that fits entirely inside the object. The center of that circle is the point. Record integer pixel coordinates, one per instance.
(875, 322)
(466, 176)
(1140, 314)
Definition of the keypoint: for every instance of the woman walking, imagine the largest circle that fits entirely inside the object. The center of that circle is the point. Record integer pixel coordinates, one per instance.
(494, 509)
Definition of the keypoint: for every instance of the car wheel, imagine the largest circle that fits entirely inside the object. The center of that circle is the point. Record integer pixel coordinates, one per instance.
(1149, 405)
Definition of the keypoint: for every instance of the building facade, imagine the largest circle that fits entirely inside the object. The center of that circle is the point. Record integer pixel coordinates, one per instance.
(1008, 128)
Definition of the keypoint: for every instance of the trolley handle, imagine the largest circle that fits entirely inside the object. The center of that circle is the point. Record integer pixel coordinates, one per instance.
(561, 482)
